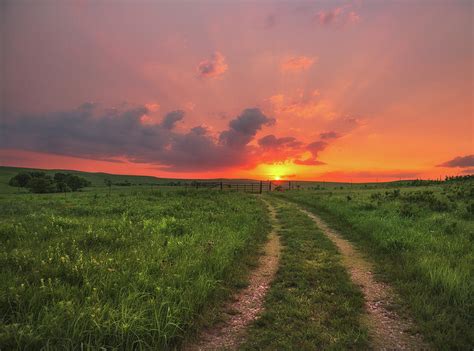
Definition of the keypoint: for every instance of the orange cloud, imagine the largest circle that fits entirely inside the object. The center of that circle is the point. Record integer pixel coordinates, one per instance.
(298, 63)
(152, 107)
(302, 106)
(213, 67)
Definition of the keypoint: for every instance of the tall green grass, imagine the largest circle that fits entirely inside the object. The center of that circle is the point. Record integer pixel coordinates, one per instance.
(134, 269)
(422, 241)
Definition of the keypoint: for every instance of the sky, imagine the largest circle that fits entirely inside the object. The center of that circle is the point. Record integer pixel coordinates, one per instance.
(313, 90)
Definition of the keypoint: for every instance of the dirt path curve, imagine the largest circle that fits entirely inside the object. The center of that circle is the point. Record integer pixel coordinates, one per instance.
(387, 329)
(247, 304)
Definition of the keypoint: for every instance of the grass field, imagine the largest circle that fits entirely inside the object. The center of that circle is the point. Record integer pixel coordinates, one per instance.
(147, 267)
(136, 268)
(422, 242)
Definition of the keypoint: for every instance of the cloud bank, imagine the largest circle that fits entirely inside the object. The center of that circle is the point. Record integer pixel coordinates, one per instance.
(107, 134)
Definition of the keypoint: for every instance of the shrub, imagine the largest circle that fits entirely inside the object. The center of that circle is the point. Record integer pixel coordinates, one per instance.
(408, 211)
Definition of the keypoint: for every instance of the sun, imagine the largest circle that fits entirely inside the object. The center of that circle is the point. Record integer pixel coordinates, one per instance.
(277, 177)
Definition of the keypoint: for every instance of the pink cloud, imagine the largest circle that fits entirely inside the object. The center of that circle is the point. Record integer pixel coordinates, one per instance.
(213, 67)
(335, 16)
(297, 64)
(152, 107)
(328, 17)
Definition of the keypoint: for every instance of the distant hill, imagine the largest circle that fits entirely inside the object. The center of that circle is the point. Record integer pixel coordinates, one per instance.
(97, 179)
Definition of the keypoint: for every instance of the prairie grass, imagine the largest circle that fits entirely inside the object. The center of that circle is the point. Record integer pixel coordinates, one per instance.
(422, 242)
(134, 269)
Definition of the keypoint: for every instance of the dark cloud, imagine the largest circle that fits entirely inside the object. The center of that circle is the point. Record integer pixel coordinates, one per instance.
(461, 161)
(309, 162)
(314, 148)
(171, 118)
(106, 134)
(272, 142)
(199, 130)
(244, 128)
(329, 135)
(468, 171)
(213, 67)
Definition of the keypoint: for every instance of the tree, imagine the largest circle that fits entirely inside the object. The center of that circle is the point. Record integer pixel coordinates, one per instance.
(42, 185)
(20, 180)
(37, 174)
(60, 177)
(75, 182)
(62, 187)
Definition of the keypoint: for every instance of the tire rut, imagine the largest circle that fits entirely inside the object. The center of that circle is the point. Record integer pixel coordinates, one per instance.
(387, 329)
(247, 304)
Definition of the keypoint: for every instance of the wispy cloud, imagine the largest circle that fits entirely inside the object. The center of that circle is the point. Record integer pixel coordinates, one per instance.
(336, 16)
(297, 63)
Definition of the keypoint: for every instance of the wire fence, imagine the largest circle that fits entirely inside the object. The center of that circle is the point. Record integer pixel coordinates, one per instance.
(248, 187)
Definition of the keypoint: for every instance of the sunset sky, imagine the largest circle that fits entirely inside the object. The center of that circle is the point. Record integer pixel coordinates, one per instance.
(339, 90)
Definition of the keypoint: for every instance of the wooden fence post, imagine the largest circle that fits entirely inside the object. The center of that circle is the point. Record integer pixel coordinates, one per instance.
(269, 186)
(261, 185)
(222, 186)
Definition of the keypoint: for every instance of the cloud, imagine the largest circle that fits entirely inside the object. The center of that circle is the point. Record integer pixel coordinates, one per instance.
(460, 161)
(468, 171)
(199, 130)
(314, 148)
(98, 133)
(328, 17)
(213, 67)
(301, 106)
(272, 142)
(244, 127)
(169, 122)
(329, 135)
(336, 16)
(309, 162)
(297, 64)
(152, 107)
(353, 17)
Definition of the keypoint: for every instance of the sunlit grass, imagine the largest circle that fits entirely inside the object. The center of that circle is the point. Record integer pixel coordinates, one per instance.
(422, 241)
(135, 269)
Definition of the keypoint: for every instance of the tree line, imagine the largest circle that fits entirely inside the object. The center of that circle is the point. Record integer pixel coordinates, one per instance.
(40, 182)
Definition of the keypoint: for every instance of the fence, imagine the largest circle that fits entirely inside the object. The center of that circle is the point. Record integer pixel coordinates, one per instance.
(248, 187)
